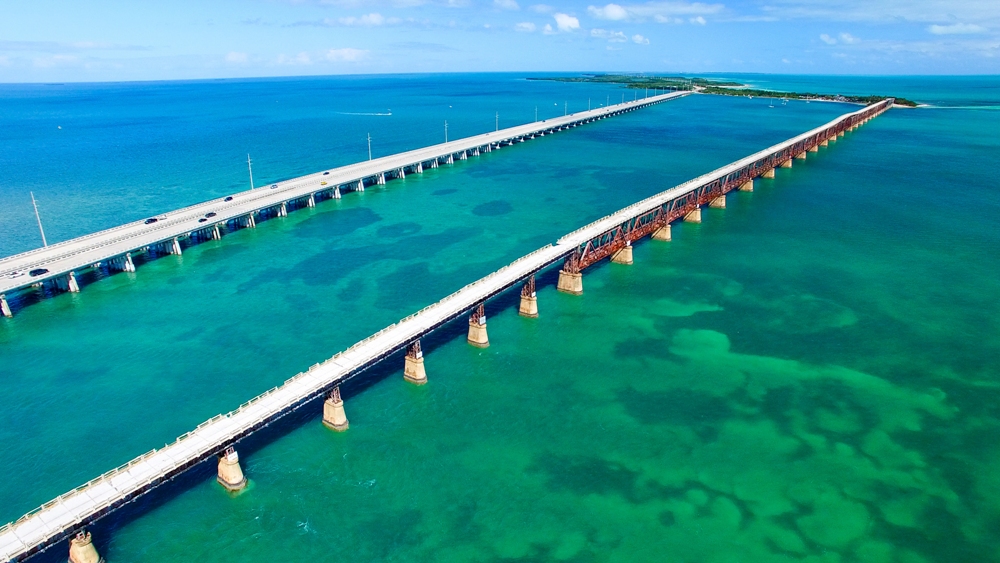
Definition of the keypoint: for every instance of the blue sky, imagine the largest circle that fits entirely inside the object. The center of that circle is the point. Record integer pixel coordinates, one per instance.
(100, 40)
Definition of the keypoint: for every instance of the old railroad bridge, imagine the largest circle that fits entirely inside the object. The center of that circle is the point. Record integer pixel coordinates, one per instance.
(612, 236)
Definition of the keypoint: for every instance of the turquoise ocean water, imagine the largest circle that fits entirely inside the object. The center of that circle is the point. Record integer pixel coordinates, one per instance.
(808, 375)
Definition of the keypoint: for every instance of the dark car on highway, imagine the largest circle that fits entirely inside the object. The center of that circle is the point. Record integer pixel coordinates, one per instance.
(38, 272)
(210, 214)
(151, 220)
(228, 198)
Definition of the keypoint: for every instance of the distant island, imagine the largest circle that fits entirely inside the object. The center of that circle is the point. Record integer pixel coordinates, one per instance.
(717, 87)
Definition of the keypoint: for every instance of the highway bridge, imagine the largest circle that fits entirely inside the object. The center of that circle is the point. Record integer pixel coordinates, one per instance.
(57, 265)
(611, 236)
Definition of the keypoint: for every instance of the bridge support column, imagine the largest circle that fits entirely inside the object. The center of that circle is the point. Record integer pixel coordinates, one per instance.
(230, 474)
(624, 255)
(693, 216)
(801, 156)
(464, 156)
(529, 300)
(420, 168)
(475, 151)
(283, 210)
(786, 164)
(814, 148)
(663, 233)
(71, 284)
(413, 365)
(127, 264)
(570, 282)
(5, 307)
(216, 233)
(336, 192)
(334, 416)
(477, 328)
(82, 550)
(768, 174)
(841, 134)
(434, 163)
(824, 143)
(718, 202)
(401, 174)
(175, 246)
(361, 185)
(747, 186)
(311, 202)
(251, 222)
(451, 159)
(381, 179)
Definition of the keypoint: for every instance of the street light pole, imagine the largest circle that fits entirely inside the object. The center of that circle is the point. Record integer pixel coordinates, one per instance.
(446, 130)
(39, 219)
(369, 146)
(565, 108)
(536, 113)
(498, 121)
(250, 169)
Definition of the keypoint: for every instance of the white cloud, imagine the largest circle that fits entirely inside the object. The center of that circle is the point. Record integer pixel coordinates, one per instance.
(566, 22)
(236, 57)
(542, 8)
(956, 29)
(547, 30)
(827, 39)
(698, 20)
(640, 40)
(849, 39)
(786, 61)
(612, 12)
(368, 20)
(659, 11)
(611, 36)
(346, 54)
(298, 60)
(525, 26)
(506, 4)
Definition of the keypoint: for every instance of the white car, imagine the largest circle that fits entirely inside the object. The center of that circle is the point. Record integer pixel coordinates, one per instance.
(15, 275)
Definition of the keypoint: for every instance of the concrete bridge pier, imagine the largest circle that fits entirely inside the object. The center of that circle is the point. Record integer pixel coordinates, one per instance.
(841, 134)
(768, 174)
(824, 143)
(464, 156)
(529, 299)
(434, 163)
(801, 156)
(283, 210)
(216, 233)
(786, 164)
(693, 216)
(71, 284)
(82, 550)
(489, 148)
(5, 307)
(475, 151)
(747, 186)
(175, 246)
(413, 365)
(127, 264)
(624, 255)
(420, 168)
(451, 159)
(814, 148)
(334, 416)
(401, 174)
(380, 179)
(250, 222)
(336, 192)
(718, 202)
(361, 184)
(477, 327)
(311, 202)
(230, 474)
(570, 278)
(663, 233)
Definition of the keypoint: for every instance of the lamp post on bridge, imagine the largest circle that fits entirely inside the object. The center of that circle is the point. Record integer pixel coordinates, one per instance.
(250, 169)
(369, 146)
(498, 121)
(39, 219)
(536, 113)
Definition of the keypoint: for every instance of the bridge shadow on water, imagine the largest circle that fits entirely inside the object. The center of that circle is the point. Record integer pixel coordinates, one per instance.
(310, 412)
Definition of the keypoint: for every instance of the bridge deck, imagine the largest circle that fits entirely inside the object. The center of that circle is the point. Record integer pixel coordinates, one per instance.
(82, 252)
(58, 518)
